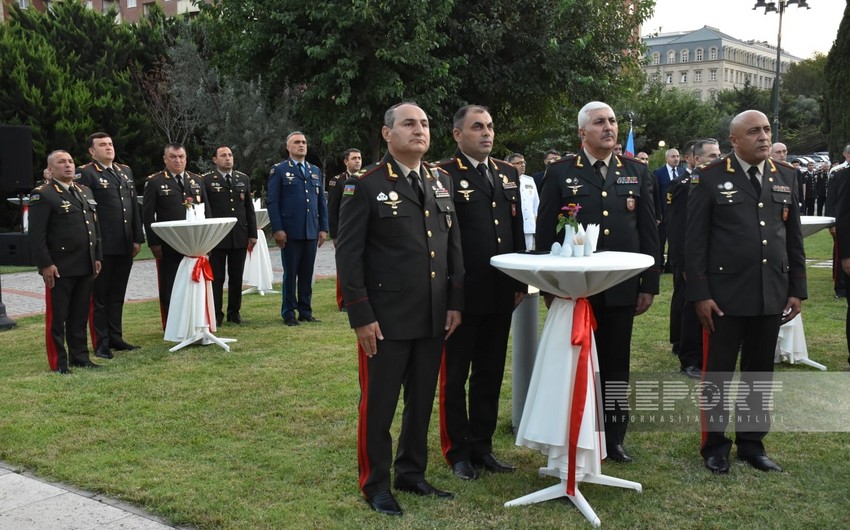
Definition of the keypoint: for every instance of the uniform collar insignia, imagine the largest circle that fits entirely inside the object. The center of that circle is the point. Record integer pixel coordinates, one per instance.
(619, 162)
(729, 168)
(460, 164)
(578, 161)
(772, 166)
(391, 175)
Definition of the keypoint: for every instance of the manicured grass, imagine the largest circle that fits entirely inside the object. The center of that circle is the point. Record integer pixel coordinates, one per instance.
(264, 436)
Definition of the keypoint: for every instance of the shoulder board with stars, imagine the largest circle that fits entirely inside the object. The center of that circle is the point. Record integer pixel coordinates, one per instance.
(237, 172)
(781, 163)
(368, 170)
(207, 174)
(563, 159)
(152, 176)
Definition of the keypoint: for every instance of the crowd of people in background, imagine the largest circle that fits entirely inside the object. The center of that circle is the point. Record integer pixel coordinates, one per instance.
(413, 243)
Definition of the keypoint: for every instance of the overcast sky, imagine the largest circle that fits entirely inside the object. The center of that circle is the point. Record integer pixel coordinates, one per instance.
(804, 31)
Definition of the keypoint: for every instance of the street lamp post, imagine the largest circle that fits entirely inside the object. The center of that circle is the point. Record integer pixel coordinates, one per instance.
(771, 7)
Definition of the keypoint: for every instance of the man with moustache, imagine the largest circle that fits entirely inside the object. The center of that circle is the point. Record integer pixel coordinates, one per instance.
(298, 213)
(166, 197)
(66, 249)
(120, 221)
(746, 274)
(487, 202)
(617, 194)
(400, 264)
(229, 195)
(352, 160)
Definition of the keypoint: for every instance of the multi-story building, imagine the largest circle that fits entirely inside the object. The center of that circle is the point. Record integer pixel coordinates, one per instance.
(707, 61)
(128, 10)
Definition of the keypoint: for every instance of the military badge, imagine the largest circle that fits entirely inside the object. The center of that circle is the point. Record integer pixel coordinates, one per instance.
(348, 189)
(729, 168)
(104, 183)
(382, 197)
(626, 180)
(34, 197)
(393, 200)
(449, 220)
(513, 209)
(630, 204)
(575, 187)
(65, 205)
(504, 178)
(393, 196)
(242, 196)
(508, 185)
(440, 192)
(332, 183)
(464, 184)
(784, 214)
(465, 193)
(727, 185)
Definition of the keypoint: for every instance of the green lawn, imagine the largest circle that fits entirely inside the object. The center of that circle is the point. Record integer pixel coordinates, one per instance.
(264, 436)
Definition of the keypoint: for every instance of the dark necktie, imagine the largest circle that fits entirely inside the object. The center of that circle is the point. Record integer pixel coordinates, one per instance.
(753, 171)
(227, 179)
(482, 168)
(179, 178)
(76, 194)
(416, 185)
(300, 167)
(673, 173)
(597, 168)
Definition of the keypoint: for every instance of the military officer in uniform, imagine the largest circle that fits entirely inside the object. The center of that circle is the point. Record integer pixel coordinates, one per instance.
(298, 213)
(352, 160)
(229, 195)
(400, 263)
(683, 319)
(746, 274)
(65, 244)
(615, 192)
(120, 221)
(166, 197)
(487, 202)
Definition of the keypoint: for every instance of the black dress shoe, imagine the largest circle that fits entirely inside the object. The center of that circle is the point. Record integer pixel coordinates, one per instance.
(385, 503)
(693, 372)
(63, 371)
(290, 321)
(492, 464)
(125, 346)
(308, 318)
(761, 462)
(235, 318)
(85, 364)
(618, 454)
(343, 309)
(103, 351)
(424, 489)
(464, 470)
(718, 465)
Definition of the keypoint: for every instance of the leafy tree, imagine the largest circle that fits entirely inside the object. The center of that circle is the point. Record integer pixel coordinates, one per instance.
(836, 96)
(805, 78)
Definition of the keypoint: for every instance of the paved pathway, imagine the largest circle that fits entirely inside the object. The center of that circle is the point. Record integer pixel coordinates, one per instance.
(23, 292)
(28, 503)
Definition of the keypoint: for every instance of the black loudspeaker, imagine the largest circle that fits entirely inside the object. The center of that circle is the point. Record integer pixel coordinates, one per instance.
(16, 158)
(15, 249)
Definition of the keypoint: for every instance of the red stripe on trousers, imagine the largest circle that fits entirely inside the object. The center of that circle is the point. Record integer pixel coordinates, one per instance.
(52, 355)
(92, 330)
(705, 342)
(339, 301)
(362, 447)
(445, 441)
(162, 314)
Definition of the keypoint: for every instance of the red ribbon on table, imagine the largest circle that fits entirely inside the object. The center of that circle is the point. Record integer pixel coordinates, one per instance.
(584, 324)
(202, 267)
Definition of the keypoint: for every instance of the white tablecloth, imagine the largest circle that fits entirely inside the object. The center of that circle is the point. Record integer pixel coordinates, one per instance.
(810, 224)
(192, 309)
(258, 264)
(558, 381)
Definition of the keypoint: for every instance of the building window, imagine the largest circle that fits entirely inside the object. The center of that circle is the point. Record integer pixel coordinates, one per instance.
(684, 56)
(669, 79)
(23, 4)
(698, 54)
(131, 3)
(671, 57)
(656, 58)
(683, 77)
(712, 54)
(698, 94)
(712, 75)
(698, 76)
(712, 93)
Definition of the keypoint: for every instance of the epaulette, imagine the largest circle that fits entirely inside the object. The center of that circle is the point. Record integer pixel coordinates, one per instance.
(207, 173)
(368, 170)
(444, 162)
(630, 158)
(237, 172)
(152, 176)
(783, 163)
(194, 175)
(567, 158)
(120, 164)
(84, 166)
